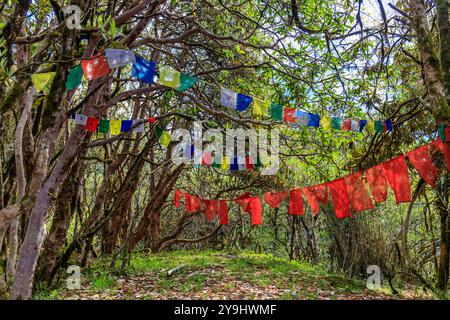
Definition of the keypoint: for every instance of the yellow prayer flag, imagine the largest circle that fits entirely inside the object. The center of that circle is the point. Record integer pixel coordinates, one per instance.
(261, 107)
(265, 159)
(165, 139)
(370, 126)
(42, 80)
(326, 122)
(169, 77)
(114, 127)
(225, 163)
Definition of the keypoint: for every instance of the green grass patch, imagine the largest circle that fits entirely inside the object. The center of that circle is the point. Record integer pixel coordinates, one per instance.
(103, 281)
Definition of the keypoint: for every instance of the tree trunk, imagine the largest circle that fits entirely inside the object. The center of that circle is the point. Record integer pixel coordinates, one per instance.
(437, 81)
(64, 209)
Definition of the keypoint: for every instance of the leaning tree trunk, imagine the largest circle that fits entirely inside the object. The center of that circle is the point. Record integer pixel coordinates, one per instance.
(64, 209)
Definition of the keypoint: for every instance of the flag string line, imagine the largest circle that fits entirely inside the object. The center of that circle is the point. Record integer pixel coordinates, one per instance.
(420, 159)
(286, 115)
(327, 182)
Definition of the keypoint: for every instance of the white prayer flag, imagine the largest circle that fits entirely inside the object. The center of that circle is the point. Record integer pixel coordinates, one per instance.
(228, 98)
(241, 164)
(119, 57)
(140, 127)
(354, 126)
(80, 119)
(302, 118)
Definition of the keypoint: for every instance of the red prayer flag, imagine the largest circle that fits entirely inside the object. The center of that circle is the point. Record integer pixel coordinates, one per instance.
(396, 171)
(176, 198)
(151, 120)
(296, 202)
(274, 199)
(256, 210)
(249, 164)
(223, 212)
(207, 159)
(341, 203)
(315, 195)
(312, 200)
(192, 203)
(346, 125)
(377, 182)
(95, 67)
(251, 205)
(91, 124)
(447, 133)
(211, 208)
(445, 149)
(244, 201)
(321, 192)
(357, 192)
(289, 115)
(420, 158)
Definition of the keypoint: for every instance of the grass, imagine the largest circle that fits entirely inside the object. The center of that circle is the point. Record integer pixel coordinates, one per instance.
(207, 272)
(103, 281)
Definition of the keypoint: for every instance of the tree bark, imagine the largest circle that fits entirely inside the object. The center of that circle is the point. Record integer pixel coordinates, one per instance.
(436, 80)
(64, 209)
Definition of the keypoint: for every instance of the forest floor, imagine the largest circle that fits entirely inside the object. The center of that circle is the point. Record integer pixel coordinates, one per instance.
(219, 275)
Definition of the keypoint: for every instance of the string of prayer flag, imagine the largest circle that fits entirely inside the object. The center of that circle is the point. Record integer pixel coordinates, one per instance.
(145, 71)
(348, 194)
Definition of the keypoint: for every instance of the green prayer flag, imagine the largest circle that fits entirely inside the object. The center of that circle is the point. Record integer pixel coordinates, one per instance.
(216, 165)
(258, 163)
(336, 123)
(442, 132)
(276, 112)
(186, 82)
(379, 127)
(103, 126)
(74, 77)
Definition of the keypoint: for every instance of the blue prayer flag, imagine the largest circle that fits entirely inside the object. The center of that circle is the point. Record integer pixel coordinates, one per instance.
(234, 166)
(388, 124)
(144, 70)
(362, 124)
(243, 102)
(313, 120)
(126, 125)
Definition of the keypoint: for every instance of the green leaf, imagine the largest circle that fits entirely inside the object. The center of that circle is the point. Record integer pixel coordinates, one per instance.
(112, 28)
